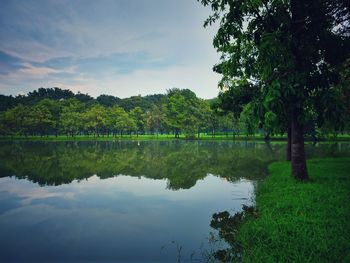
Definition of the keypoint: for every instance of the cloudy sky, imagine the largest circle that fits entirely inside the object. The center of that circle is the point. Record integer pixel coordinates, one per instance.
(121, 47)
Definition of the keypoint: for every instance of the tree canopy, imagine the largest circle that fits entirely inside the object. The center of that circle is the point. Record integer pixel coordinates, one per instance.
(292, 51)
(179, 112)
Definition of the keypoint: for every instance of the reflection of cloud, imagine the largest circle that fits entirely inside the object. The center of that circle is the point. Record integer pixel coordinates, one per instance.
(122, 186)
(29, 191)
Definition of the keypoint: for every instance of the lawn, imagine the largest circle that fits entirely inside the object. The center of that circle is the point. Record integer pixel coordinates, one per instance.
(301, 222)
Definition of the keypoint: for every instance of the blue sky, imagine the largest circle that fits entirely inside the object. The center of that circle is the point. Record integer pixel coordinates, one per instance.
(121, 47)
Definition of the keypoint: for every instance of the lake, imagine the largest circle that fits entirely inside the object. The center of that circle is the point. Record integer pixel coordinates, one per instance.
(126, 200)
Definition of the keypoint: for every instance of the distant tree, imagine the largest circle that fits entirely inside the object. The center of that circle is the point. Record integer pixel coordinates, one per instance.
(41, 119)
(183, 112)
(85, 98)
(107, 100)
(113, 115)
(204, 116)
(225, 123)
(3, 128)
(344, 90)
(131, 125)
(6, 102)
(213, 123)
(54, 107)
(138, 116)
(95, 119)
(50, 93)
(16, 120)
(248, 120)
(71, 118)
(155, 119)
(123, 122)
(234, 97)
(145, 103)
(130, 103)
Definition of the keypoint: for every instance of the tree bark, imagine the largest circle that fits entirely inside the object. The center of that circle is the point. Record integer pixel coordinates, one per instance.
(299, 170)
(289, 144)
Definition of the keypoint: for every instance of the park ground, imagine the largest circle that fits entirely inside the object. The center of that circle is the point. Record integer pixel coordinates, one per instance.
(300, 222)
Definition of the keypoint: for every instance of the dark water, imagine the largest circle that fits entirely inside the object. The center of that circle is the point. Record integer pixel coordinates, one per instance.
(125, 201)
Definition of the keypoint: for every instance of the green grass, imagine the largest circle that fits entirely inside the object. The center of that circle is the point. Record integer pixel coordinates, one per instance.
(301, 222)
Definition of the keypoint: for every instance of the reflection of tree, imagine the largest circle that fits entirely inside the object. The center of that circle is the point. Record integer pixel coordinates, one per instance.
(228, 227)
(181, 163)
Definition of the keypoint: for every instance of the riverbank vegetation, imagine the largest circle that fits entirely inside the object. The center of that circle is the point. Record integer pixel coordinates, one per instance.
(301, 222)
(282, 53)
(293, 221)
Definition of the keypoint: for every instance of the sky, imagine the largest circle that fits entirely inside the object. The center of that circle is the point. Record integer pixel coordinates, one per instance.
(120, 48)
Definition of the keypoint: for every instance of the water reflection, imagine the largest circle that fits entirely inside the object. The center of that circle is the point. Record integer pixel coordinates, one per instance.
(228, 223)
(182, 164)
(117, 202)
(117, 219)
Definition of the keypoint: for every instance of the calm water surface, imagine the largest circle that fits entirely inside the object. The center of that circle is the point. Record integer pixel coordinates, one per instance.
(125, 201)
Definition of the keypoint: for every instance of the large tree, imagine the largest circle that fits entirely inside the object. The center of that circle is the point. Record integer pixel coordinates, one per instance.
(289, 48)
(183, 112)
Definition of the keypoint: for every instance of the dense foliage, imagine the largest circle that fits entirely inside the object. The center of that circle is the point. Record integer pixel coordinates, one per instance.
(61, 112)
(292, 52)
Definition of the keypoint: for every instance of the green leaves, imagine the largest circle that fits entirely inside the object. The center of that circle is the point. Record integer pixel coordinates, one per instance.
(286, 48)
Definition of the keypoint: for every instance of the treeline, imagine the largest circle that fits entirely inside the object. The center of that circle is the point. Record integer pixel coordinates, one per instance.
(56, 93)
(55, 111)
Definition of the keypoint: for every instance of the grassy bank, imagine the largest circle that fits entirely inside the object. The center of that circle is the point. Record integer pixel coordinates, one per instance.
(301, 222)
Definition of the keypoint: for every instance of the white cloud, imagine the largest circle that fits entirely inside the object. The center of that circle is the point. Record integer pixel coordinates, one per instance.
(164, 30)
(199, 79)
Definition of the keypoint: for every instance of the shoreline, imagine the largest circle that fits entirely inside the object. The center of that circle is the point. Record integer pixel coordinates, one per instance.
(300, 221)
(241, 138)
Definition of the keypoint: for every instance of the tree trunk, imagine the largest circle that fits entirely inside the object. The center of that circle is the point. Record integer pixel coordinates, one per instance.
(267, 137)
(299, 170)
(177, 135)
(289, 144)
